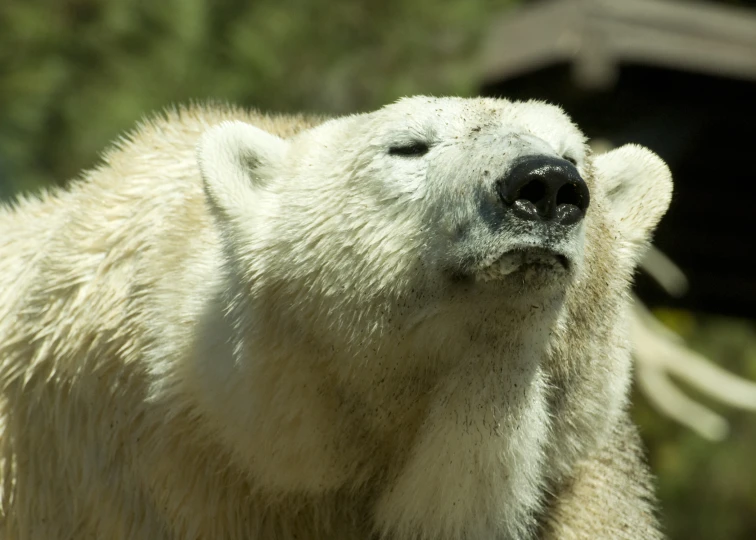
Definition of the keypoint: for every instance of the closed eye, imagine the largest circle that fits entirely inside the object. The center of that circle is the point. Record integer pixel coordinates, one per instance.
(413, 149)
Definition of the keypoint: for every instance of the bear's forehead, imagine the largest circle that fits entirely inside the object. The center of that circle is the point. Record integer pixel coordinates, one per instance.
(472, 115)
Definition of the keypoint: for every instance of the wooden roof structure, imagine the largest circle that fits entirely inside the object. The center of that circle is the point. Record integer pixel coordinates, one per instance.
(678, 77)
(595, 36)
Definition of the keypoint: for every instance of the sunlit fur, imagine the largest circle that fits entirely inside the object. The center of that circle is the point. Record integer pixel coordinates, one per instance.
(280, 330)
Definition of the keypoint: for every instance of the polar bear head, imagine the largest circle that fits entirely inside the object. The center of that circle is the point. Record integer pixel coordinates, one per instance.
(427, 216)
(432, 258)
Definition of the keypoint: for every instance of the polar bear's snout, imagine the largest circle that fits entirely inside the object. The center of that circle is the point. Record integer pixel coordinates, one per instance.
(534, 217)
(545, 188)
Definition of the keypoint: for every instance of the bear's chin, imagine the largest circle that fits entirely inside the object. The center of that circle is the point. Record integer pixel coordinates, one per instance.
(527, 264)
(526, 270)
(516, 282)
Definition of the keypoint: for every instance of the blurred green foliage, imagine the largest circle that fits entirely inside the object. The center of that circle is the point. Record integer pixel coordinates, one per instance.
(707, 490)
(74, 74)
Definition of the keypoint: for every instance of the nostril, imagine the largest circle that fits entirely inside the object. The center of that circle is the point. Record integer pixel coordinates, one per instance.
(534, 191)
(569, 194)
(571, 203)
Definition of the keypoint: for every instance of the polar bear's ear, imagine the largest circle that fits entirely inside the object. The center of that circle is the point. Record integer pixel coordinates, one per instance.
(638, 185)
(236, 160)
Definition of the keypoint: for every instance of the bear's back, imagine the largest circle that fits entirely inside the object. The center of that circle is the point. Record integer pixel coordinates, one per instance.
(145, 197)
(82, 272)
(81, 266)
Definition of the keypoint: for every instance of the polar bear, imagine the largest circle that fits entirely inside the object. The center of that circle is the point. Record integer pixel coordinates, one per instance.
(407, 324)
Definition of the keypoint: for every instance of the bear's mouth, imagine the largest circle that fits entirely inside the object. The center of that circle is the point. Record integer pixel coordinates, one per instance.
(525, 262)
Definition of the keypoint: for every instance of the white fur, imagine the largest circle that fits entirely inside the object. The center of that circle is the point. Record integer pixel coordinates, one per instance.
(638, 187)
(270, 345)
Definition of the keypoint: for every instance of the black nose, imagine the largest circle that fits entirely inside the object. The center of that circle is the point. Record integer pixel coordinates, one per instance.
(545, 188)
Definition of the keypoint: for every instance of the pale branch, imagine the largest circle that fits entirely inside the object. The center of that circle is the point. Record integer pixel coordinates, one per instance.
(660, 353)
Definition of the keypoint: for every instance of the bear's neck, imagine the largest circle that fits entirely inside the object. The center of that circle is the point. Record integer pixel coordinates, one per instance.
(475, 461)
(448, 437)
(468, 443)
